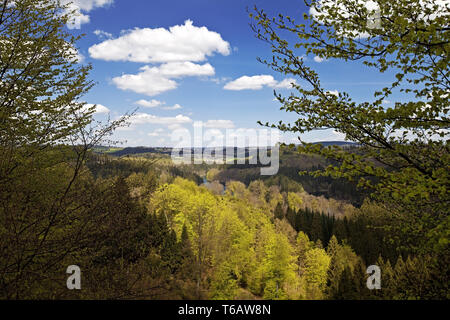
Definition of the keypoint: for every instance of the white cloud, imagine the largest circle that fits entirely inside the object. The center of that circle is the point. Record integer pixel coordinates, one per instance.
(318, 59)
(80, 6)
(98, 110)
(184, 69)
(285, 84)
(149, 103)
(75, 54)
(156, 103)
(257, 83)
(149, 82)
(179, 43)
(103, 34)
(152, 81)
(174, 126)
(145, 118)
(337, 136)
(79, 58)
(219, 124)
(88, 5)
(220, 80)
(156, 133)
(250, 83)
(78, 19)
(174, 107)
(333, 92)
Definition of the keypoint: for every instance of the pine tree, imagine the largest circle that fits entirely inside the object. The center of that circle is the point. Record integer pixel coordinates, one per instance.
(335, 268)
(279, 212)
(387, 280)
(347, 289)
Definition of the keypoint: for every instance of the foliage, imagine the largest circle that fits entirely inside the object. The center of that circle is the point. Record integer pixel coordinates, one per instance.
(403, 154)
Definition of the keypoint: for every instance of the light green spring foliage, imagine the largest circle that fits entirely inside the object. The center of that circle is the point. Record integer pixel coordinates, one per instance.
(316, 266)
(238, 243)
(238, 247)
(403, 146)
(295, 201)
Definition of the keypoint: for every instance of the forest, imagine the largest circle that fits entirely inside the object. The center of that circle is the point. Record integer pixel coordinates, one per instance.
(142, 227)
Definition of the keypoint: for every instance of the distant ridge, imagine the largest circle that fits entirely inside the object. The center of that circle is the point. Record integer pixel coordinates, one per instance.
(139, 150)
(167, 150)
(336, 143)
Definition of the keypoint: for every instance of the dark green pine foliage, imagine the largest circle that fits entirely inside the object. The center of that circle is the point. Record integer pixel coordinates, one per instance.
(187, 256)
(387, 280)
(279, 212)
(171, 252)
(348, 288)
(122, 234)
(334, 270)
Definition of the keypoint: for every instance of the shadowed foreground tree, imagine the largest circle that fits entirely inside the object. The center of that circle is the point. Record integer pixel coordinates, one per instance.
(46, 131)
(404, 153)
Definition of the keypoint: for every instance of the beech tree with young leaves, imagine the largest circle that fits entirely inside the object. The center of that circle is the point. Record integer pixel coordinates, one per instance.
(403, 153)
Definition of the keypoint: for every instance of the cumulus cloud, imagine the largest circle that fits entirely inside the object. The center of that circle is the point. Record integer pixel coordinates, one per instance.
(174, 107)
(285, 84)
(333, 92)
(75, 55)
(152, 81)
(318, 59)
(220, 80)
(80, 8)
(149, 103)
(337, 136)
(175, 126)
(184, 69)
(145, 118)
(257, 83)
(148, 82)
(179, 43)
(98, 110)
(219, 124)
(103, 34)
(156, 103)
(88, 5)
(250, 83)
(156, 133)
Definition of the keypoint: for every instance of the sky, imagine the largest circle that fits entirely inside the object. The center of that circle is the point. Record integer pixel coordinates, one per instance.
(179, 62)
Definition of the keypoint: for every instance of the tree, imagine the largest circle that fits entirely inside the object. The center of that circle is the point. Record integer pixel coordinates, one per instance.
(335, 269)
(294, 201)
(279, 267)
(279, 212)
(404, 154)
(46, 132)
(212, 174)
(316, 267)
(348, 288)
(187, 263)
(303, 246)
(387, 280)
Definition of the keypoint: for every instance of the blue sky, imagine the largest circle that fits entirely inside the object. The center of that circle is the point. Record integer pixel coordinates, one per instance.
(182, 61)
